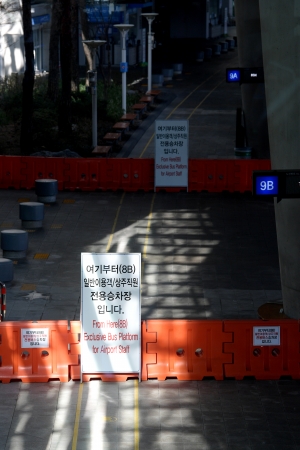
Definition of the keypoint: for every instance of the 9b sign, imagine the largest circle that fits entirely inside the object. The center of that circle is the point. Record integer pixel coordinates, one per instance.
(276, 183)
(267, 185)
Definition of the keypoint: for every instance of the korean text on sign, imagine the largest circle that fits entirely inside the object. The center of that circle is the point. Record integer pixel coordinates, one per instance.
(110, 311)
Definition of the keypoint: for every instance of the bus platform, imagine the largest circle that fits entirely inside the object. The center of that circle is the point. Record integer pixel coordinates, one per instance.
(205, 256)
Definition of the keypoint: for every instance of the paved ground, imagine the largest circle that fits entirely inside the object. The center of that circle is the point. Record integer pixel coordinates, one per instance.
(204, 255)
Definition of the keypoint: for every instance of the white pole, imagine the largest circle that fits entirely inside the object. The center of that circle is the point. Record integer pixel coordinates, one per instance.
(124, 106)
(150, 17)
(149, 57)
(94, 103)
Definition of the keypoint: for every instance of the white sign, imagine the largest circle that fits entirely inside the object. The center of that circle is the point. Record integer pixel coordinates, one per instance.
(110, 312)
(34, 337)
(171, 153)
(263, 336)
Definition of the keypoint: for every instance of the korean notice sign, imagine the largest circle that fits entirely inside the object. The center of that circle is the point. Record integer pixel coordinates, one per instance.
(110, 312)
(263, 336)
(34, 337)
(171, 153)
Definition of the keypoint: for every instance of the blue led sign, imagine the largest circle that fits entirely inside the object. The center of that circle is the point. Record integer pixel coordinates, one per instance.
(233, 75)
(266, 185)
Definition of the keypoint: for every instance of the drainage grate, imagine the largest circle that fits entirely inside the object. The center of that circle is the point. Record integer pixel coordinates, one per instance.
(56, 226)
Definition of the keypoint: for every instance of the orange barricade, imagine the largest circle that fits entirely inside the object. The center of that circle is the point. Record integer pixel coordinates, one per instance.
(185, 349)
(128, 174)
(11, 172)
(77, 174)
(42, 167)
(75, 329)
(34, 351)
(244, 170)
(137, 174)
(266, 362)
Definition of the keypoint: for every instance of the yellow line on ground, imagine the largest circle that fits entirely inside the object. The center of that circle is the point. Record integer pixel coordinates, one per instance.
(77, 417)
(176, 107)
(144, 255)
(115, 224)
(136, 416)
(202, 101)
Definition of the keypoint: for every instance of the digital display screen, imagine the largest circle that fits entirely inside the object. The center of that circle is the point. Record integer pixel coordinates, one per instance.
(266, 185)
(233, 75)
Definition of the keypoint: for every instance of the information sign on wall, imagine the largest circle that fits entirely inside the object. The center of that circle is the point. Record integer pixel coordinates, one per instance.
(110, 312)
(171, 153)
(267, 335)
(34, 337)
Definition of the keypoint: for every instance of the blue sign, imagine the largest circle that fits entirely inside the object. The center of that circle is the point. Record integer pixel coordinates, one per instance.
(123, 67)
(38, 20)
(233, 75)
(101, 14)
(266, 185)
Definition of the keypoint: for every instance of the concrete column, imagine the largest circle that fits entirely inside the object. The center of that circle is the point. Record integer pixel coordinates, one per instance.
(253, 95)
(280, 29)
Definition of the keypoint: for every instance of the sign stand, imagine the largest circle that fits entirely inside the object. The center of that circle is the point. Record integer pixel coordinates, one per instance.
(171, 153)
(110, 313)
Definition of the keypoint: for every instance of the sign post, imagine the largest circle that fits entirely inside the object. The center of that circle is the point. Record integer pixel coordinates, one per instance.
(171, 153)
(110, 313)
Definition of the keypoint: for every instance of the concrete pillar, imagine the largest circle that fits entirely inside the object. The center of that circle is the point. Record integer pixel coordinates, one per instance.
(280, 31)
(253, 95)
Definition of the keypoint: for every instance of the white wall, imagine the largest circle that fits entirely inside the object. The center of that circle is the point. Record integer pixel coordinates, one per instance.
(12, 42)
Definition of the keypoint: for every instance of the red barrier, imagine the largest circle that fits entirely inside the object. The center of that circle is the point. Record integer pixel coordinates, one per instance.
(128, 174)
(11, 172)
(77, 174)
(34, 351)
(264, 362)
(244, 170)
(42, 167)
(185, 349)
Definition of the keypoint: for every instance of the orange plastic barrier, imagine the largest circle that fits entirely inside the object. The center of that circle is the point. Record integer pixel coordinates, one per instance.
(182, 349)
(42, 167)
(75, 329)
(25, 355)
(243, 172)
(268, 362)
(213, 175)
(128, 174)
(185, 349)
(11, 168)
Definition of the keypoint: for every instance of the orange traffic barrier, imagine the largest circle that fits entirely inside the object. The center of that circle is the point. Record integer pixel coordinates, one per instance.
(185, 349)
(128, 174)
(277, 356)
(34, 351)
(11, 172)
(35, 168)
(243, 172)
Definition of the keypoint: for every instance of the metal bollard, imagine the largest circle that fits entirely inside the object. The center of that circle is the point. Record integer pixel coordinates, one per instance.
(2, 301)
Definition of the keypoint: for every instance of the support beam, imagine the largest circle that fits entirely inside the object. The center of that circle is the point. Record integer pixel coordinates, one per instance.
(281, 54)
